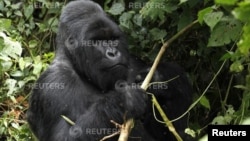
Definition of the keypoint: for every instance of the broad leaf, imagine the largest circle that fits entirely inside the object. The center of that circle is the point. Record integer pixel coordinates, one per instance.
(116, 9)
(202, 13)
(211, 19)
(224, 32)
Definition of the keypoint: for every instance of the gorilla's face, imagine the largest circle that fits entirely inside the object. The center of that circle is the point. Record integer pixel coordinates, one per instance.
(94, 44)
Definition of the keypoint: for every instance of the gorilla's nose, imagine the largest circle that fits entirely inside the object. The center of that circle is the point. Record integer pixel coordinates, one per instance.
(112, 53)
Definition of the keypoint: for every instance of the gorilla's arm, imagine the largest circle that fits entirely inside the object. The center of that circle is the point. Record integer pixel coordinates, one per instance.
(83, 103)
(174, 97)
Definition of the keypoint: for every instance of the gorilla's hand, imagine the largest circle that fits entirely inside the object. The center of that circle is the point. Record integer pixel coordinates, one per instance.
(139, 78)
(134, 97)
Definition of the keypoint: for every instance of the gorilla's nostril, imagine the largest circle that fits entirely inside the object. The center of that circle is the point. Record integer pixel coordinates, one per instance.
(111, 54)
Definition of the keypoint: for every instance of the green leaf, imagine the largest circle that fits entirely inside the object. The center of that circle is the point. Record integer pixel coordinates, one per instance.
(48, 57)
(202, 13)
(28, 61)
(224, 32)
(246, 121)
(236, 66)
(9, 13)
(106, 4)
(137, 19)
(157, 34)
(205, 102)
(242, 12)
(204, 138)
(227, 55)
(17, 73)
(226, 2)
(211, 19)
(219, 120)
(12, 48)
(21, 83)
(37, 68)
(18, 13)
(21, 63)
(157, 9)
(10, 83)
(5, 57)
(125, 20)
(16, 6)
(15, 125)
(42, 27)
(6, 65)
(190, 132)
(53, 22)
(5, 24)
(244, 43)
(116, 9)
(167, 7)
(183, 1)
(240, 87)
(5, 123)
(230, 110)
(7, 2)
(33, 43)
(2, 5)
(28, 11)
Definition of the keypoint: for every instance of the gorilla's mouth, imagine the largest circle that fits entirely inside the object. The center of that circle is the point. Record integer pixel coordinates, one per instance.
(116, 66)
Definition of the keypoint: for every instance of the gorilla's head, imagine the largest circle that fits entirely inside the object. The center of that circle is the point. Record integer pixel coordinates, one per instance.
(93, 43)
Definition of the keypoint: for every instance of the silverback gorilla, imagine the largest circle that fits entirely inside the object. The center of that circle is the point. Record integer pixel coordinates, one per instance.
(98, 80)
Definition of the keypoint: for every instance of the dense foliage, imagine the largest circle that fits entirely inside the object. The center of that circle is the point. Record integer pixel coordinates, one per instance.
(215, 53)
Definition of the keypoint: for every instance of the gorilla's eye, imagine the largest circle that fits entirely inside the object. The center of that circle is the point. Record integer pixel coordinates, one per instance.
(96, 38)
(100, 38)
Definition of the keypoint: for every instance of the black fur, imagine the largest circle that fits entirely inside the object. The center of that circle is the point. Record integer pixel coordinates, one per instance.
(93, 79)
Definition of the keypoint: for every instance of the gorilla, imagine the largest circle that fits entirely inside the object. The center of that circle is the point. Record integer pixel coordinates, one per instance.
(93, 79)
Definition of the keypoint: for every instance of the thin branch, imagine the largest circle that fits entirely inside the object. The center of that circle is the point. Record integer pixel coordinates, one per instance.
(166, 119)
(150, 75)
(110, 136)
(203, 93)
(127, 127)
(161, 52)
(68, 120)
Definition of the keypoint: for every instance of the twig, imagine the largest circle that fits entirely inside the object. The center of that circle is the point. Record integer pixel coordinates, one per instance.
(123, 128)
(110, 136)
(161, 52)
(126, 129)
(68, 120)
(166, 119)
(124, 135)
